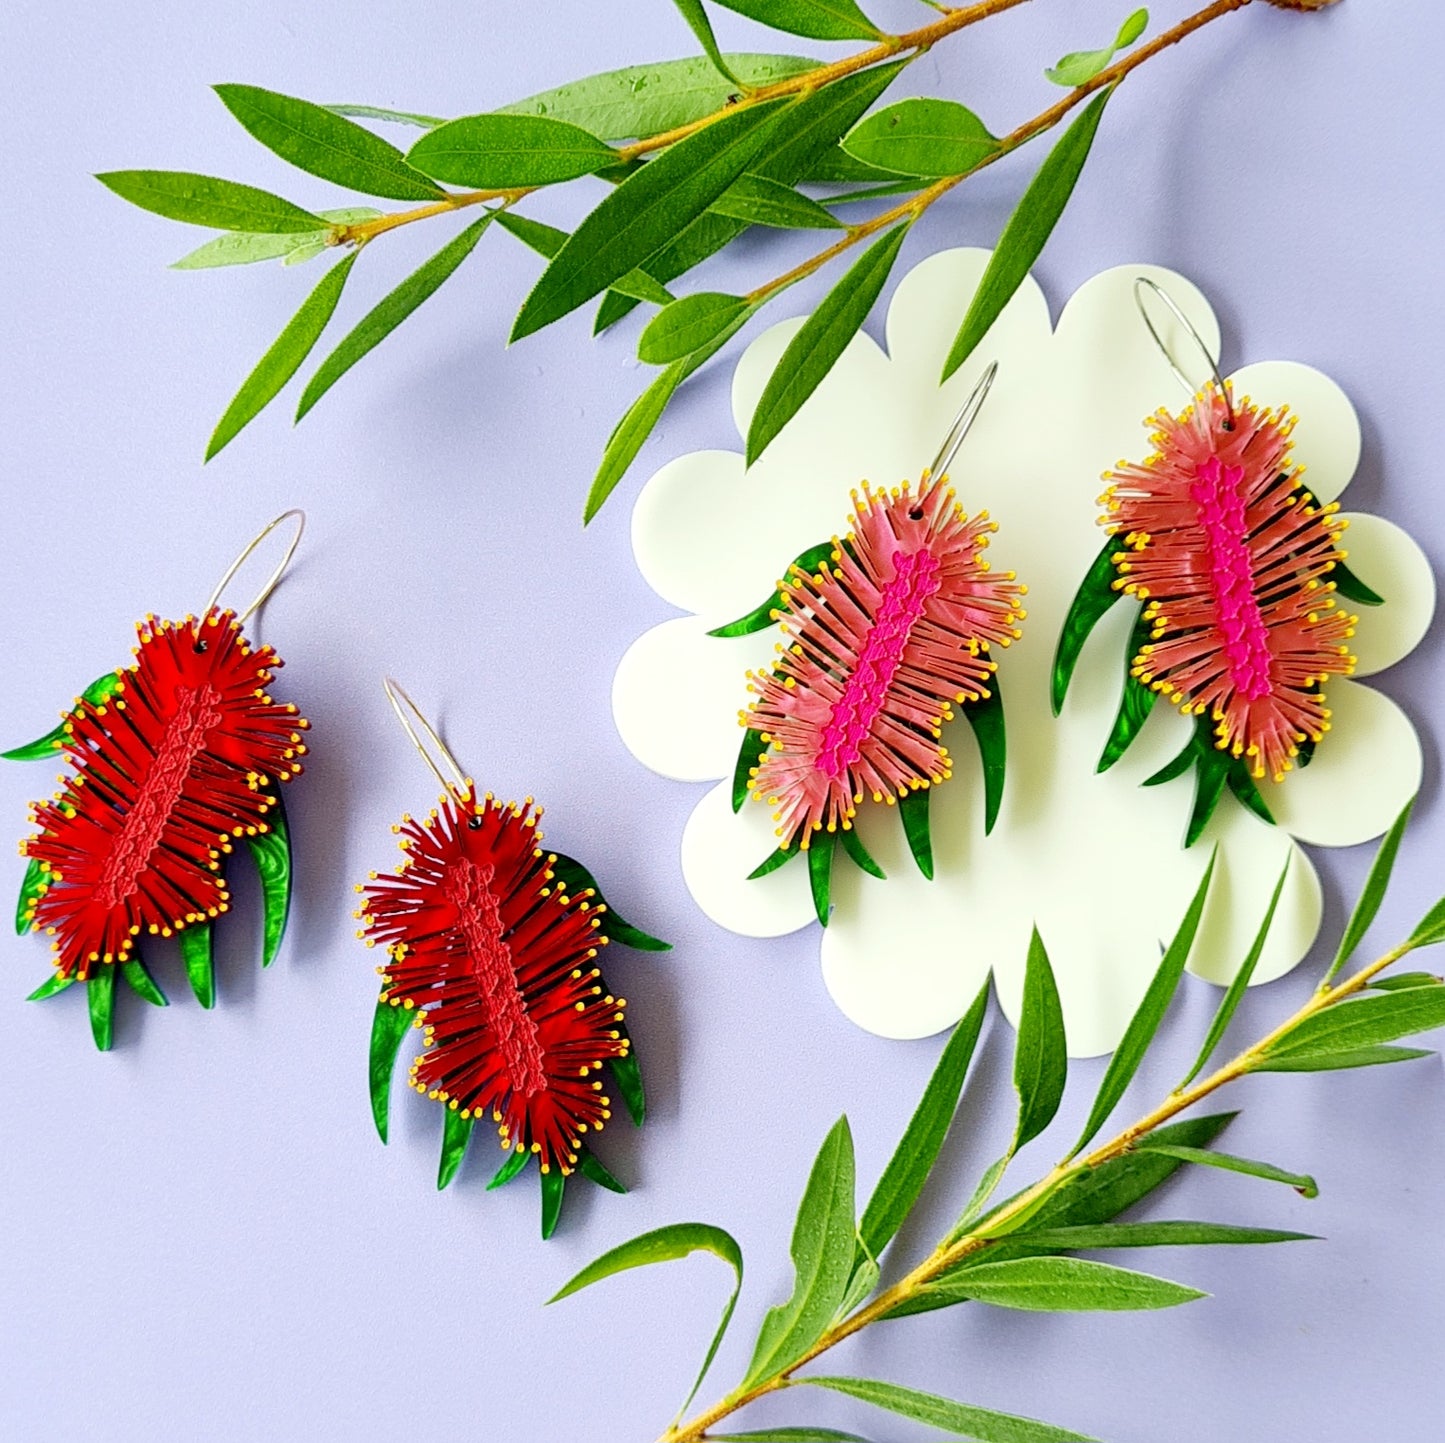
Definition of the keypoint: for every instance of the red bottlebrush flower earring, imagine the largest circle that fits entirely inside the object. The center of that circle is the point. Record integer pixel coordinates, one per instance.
(1236, 567)
(494, 948)
(886, 630)
(172, 759)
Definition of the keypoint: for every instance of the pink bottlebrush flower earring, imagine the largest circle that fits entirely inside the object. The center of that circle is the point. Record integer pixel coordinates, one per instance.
(1237, 567)
(886, 630)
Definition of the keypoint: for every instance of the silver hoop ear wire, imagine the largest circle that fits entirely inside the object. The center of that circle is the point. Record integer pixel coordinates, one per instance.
(963, 422)
(293, 515)
(401, 704)
(1173, 307)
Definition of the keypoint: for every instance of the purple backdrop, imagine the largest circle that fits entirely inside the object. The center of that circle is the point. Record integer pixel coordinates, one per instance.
(204, 1237)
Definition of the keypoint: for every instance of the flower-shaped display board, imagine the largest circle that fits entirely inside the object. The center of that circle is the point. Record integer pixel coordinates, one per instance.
(1096, 860)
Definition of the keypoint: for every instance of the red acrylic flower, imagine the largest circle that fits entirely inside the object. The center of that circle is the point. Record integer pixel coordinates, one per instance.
(174, 762)
(487, 940)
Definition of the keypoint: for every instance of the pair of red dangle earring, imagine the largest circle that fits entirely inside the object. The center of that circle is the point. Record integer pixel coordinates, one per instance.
(171, 761)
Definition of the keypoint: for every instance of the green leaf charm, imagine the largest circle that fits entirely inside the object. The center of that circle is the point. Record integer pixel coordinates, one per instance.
(195, 944)
(32, 888)
(925, 138)
(1136, 701)
(100, 991)
(553, 1186)
(1095, 596)
(1065, 1285)
(749, 754)
(822, 1252)
(57, 983)
(205, 200)
(761, 616)
(774, 860)
(820, 850)
(509, 152)
(986, 717)
(1041, 1060)
(456, 1134)
(142, 983)
(687, 325)
(515, 1163)
(851, 843)
(593, 1171)
(913, 813)
(320, 141)
(388, 1026)
(815, 19)
(628, 1076)
(575, 878)
(823, 338)
(272, 854)
(1029, 227)
(43, 748)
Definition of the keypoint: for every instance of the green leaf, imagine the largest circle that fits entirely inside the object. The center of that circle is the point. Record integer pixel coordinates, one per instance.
(509, 152)
(760, 201)
(33, 887)
(553, 1186)
(1431, 928)
(1360, 1022)
(1149, 1014)
(823, 338)
(1235, 993)
(592, 1169)
(645, 100)
(749, 753)
(207, 200)
(1373, 893)
(1136, 700)
(1241, 783)
(1302, 1184)
(271, 851)
(686, 325)
(547, 240)
(389, 1024)
(43, 748)
(285, 356)
(774, 860)
(323, 143)
(1028, 228)
(820, 872)
(789, 1435)
(1155, 1235)
(1041, 1060)
(865, 1278)
(1081, 66)
(1176, 768)
(913, 813)
(761, 616)
(100, 992)
(1352, 588)
(983, 1190)
(822, 1253)
(456, 1134)
(982, 1424)
(1095, 596)
(1064, 1285)
(195, 944)
(922, 137)
(701, 26)
(646, 211)
(852, 843)
(142, 983)
(576, 878)
(58, 983)
(816, 19)
(665, 1245)
(917, 1151)
(390, 312)
(628, 1075)
(396, 117)
(1330, 1061)
(986, 717)
(237, 248)
(514, 1164)
(1399, 981)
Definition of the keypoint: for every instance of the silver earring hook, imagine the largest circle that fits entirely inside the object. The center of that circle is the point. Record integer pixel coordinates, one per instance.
(963, 422)
(293, 515)
(1172, 306)
(401, 704)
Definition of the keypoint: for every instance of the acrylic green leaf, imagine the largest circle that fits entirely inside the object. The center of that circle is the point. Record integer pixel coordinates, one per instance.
(195, 945)
(822, 1253)
(318, 140)
(58, 983)
(1095, 596)
(33, 886)
(1348, 585)
(823, 338)
(1211, 773)
(575, 878)
(645, 212)
(815, 19)
(986, 717)
(913, 813)
(761, 616)
(1135, 702)
(593, 1171)
(982, 1424)
(760, 201)
(749, 753)
(1041, 1057)
(858, 854)
(44, 748)
(1242, 785)
(509, 152)
(553, 1186)
(271, 851)
(515, 1163)
(140, 981)
(686, 325)
(456, 1134)
(388, 1026)
(1205, 1157)
(1029, 227)
(207, 200)
(917, 1151)
(628, 1076)
(240, 249)
(774, 860)
(820, 873)
(100, 994)
(284, 358)
(1372, 894)
(390, 312)
(1066, 1285)
(1081, 66)
(1149, 1014)
(1162, 1234)
(701, 26)
(926, 138)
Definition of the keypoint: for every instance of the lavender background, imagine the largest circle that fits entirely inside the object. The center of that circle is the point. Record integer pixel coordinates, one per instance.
(203, 1237)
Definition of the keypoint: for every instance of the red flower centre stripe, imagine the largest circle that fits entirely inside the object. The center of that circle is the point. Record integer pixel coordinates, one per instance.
(182, 741)
(1218, 492)
(479, 919)
(916, 578)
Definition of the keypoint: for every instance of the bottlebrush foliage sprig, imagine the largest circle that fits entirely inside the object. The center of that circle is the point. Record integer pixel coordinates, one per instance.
(1017, 1253)
(697, 152)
